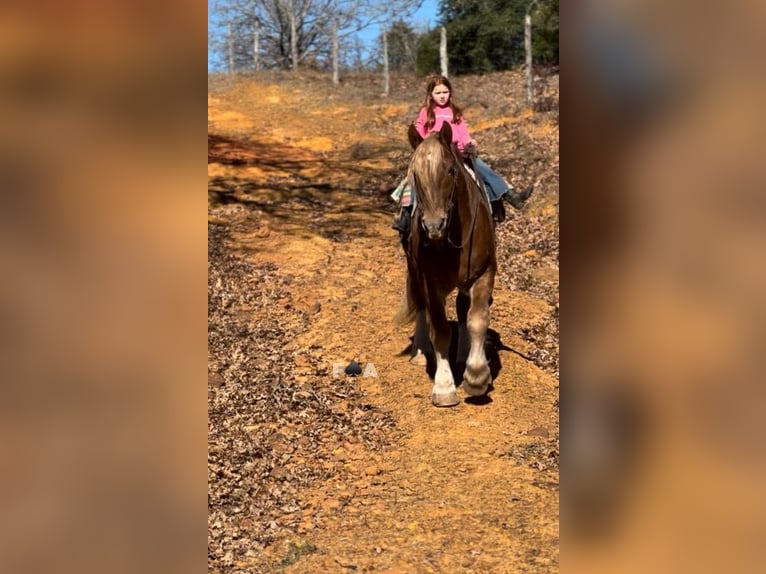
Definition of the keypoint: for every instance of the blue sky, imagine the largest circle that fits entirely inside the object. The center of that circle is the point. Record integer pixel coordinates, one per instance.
(426, 15)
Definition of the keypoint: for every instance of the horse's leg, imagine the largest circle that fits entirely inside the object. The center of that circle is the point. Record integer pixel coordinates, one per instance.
(421, 345)
(462, 304)
(477, 375)
(443, 393)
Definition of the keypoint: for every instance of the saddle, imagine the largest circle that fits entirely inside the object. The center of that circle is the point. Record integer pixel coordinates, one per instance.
(469, 158)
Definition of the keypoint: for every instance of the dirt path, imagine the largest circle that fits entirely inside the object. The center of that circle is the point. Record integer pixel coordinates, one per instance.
(468, 489)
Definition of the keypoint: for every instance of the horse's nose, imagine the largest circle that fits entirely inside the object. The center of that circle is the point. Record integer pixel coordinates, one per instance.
(435, 226)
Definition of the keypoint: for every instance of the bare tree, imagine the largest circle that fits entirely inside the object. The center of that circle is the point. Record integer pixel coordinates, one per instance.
(292, 32)
(256, 45)
(230, 46)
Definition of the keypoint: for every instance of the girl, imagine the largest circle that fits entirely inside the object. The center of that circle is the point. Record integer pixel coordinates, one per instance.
(439, 107)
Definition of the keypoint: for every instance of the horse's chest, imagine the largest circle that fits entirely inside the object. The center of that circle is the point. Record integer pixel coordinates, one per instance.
(442, 263)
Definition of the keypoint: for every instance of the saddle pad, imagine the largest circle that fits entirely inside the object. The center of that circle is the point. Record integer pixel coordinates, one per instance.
(403, 191)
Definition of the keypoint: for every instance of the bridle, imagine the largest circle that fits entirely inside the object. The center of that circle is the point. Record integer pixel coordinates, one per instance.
(449, 209)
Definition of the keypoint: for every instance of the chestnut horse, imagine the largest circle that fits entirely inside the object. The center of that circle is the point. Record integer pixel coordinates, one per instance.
(451, 246)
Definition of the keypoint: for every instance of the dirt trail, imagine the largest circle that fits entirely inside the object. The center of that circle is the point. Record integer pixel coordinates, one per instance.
(473, 488)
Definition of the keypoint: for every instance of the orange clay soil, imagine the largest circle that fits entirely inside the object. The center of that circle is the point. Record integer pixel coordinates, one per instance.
(299, 172)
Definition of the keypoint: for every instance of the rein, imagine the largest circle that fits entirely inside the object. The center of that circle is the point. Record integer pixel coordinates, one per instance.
(450, 207)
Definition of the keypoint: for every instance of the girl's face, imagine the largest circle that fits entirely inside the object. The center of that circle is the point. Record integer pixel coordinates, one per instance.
(440, 95)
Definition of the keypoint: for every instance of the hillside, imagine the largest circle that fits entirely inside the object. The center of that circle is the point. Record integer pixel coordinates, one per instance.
(311, 471)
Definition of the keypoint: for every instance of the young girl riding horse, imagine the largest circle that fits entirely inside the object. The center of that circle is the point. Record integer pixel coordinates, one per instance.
(439, 108)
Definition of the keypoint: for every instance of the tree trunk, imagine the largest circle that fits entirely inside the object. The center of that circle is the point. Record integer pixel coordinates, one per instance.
(443, 51)
(256, 47)
(409, 55)
(230, 42)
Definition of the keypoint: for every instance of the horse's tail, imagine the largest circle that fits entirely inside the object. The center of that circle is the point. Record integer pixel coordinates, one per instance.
(411, 303)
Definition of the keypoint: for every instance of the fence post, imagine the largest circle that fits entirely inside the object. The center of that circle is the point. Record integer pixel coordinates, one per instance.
(443, 51)
(528, 49)
(385, 63)
(335, 79)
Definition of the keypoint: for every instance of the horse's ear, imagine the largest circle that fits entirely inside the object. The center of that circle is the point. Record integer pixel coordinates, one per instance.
(445, 134)
(414, 137)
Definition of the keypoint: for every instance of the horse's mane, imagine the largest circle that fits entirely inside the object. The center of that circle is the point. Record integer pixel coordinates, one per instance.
(426, 162)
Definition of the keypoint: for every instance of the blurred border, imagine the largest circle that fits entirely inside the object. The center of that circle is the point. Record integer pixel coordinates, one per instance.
(663, 196)
(103, 241)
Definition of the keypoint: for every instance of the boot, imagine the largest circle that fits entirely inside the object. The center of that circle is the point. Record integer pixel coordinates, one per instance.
(498, 211)
(402, 224)
(518, 198)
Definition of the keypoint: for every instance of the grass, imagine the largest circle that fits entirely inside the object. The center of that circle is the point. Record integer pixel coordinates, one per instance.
(294, 552)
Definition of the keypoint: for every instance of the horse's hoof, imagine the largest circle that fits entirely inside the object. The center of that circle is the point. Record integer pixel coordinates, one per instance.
(475, 391)
(445, 400)
(476, 381)
(419, 360)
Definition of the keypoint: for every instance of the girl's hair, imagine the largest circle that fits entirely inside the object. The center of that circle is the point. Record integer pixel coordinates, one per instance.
(457, 111)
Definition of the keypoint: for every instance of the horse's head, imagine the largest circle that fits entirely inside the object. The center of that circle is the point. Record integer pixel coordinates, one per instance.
(434, 172)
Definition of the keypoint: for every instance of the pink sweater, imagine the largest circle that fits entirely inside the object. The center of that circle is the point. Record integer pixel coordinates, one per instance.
(460, 135)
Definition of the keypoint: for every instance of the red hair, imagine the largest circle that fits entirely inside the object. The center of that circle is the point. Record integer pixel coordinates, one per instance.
(457, 111)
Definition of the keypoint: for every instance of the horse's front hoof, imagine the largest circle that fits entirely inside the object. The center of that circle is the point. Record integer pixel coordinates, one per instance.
(475, 391)
(476, 382)
(445, 400)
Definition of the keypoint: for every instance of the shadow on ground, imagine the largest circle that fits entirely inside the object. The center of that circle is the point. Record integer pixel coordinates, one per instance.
(459, 346)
